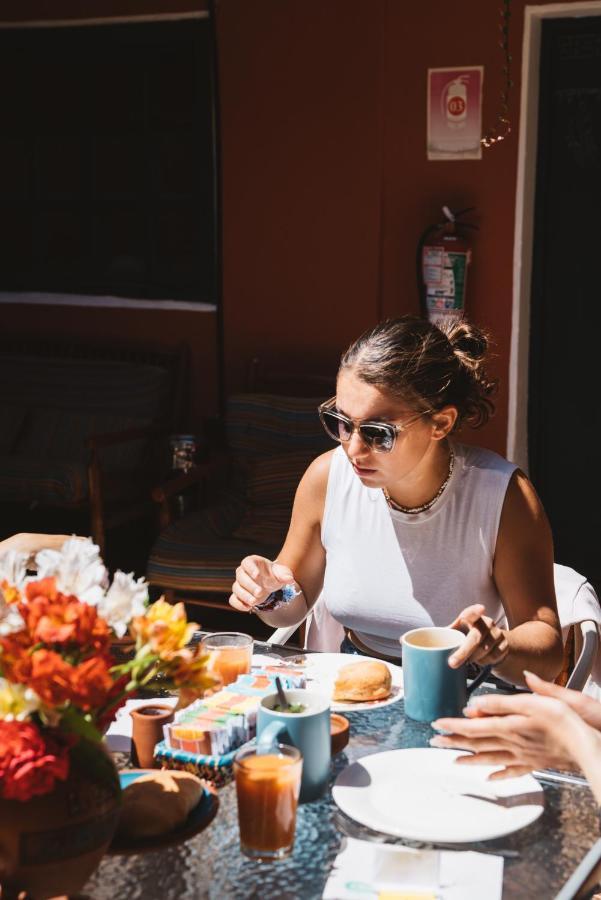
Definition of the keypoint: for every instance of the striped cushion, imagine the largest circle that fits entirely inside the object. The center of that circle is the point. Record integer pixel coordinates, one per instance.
(26, 480)
(187, 556)
(270, 491)
(260, 424)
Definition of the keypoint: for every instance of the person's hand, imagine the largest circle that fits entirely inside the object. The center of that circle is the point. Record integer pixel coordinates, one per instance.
(256, 578)
(588, 709)
(485, 643)
(519, 732)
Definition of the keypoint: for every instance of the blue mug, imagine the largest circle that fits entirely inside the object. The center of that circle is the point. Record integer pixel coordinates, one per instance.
(431, 688)
(308, 731)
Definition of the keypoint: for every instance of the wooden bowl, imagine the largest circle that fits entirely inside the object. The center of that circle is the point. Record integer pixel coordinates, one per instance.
(339, 731)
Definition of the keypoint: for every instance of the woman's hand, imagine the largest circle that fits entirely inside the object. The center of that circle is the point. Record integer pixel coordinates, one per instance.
(485, 643)
(256, 578)
(524, 731)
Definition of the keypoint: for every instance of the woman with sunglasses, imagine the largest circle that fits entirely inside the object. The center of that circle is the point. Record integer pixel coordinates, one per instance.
(401, 526)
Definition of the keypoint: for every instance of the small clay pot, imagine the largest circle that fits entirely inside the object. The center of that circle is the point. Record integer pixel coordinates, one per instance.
(147, 731)
(339, 731)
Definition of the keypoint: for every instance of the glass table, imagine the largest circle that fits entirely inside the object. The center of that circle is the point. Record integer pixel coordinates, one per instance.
(538, 859)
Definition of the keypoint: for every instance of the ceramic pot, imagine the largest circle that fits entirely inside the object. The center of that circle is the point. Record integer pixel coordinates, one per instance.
(147, 731)
(50, 845)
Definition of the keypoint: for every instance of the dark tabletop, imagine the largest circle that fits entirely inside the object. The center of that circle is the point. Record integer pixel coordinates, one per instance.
(211, 865)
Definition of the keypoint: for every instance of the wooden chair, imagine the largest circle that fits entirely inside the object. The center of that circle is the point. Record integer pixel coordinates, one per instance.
(87, 425)
(245, 495)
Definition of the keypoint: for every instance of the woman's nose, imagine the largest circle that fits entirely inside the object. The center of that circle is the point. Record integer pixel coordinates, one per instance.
(356, 444)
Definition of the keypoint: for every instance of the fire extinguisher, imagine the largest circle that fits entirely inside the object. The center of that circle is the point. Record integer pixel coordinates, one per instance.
(443, 257)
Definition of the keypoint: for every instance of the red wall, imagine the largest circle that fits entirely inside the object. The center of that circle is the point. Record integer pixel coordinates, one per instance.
(326, 186)
(326, 182)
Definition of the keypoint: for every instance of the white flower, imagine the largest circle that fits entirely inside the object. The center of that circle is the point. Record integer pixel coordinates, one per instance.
(13, 568)
(125, 599)
(78, 569)
(10, 617)
(17, 702)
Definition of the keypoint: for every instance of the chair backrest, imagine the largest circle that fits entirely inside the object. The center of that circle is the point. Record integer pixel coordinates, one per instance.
(260, 425)
(579, 611)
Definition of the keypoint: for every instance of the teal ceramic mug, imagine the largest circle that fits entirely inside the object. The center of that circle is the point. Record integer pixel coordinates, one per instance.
(308, 731)
(431, 688)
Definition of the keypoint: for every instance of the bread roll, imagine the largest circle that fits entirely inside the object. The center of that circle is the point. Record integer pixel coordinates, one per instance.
(360, 681)
(158, 802)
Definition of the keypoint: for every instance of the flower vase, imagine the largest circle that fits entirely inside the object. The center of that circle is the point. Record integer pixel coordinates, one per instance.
(52, 843)
(147, 731)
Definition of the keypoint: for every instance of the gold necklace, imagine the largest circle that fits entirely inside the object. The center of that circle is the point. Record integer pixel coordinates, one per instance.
(414, 510)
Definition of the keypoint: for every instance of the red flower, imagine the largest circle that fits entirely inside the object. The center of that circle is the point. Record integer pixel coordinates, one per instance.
(30, 762)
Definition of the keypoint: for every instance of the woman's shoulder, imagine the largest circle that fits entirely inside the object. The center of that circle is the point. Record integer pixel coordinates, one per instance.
(484, 462)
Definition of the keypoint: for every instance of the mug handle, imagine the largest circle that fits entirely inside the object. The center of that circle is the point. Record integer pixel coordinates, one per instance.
(480, 677)
(267, 741)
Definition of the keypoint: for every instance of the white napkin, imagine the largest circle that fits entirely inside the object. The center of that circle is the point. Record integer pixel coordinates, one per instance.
(118, 737)
(364, 870)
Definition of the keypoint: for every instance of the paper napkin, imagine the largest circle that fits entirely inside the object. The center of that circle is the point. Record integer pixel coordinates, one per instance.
(364, 870)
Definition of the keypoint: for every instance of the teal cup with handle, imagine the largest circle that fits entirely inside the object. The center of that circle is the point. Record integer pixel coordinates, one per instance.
(308, 731)
(431, 688)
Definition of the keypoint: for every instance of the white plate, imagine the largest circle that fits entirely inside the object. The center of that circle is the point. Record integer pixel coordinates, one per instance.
(419, 794)
(321, 670)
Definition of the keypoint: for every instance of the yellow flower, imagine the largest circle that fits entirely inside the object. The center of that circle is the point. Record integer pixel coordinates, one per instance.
(188, 672)
(164, 628)
(17, 702)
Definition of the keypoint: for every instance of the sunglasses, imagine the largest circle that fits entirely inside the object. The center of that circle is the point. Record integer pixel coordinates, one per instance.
(378, 436)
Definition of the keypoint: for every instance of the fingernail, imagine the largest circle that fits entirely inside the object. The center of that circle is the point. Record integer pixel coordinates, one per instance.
(436, 742)
(528, 674)
(452, 660)
(464, 710)
(258, 592)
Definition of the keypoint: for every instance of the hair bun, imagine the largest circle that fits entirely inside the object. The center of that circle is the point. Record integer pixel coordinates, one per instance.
(470, 344)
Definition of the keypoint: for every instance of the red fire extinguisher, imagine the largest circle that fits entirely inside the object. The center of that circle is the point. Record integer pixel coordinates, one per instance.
(443, 257)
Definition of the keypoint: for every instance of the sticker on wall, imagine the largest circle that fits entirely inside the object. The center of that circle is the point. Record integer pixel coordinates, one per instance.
(455, 113)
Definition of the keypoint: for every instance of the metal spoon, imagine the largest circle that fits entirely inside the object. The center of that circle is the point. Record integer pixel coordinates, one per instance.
(281, 695)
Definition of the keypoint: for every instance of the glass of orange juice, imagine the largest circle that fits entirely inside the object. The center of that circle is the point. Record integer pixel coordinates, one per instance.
(267, 787)
(230, 654)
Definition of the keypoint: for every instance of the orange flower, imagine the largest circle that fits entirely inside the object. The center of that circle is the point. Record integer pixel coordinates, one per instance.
(91, 683)
(54, 618)
(49, 676)
(164, 627)
(188, 668)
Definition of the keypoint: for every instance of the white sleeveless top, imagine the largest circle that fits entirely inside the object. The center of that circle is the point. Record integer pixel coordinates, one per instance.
(388, 572)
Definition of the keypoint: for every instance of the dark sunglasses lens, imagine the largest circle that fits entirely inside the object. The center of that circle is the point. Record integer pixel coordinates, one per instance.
(337, 428)
(378, 437)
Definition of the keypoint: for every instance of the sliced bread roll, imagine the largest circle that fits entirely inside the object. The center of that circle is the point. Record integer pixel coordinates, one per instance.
(360, 681)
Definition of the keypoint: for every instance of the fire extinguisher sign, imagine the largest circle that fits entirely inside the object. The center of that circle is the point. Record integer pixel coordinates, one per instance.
(455, 113)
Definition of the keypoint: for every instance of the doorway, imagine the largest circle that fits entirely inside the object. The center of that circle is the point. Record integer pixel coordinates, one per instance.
(556, 419)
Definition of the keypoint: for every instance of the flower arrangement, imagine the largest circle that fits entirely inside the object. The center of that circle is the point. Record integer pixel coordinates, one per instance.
(59, 683)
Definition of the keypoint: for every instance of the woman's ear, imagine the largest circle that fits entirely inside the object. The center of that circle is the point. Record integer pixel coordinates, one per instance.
(443, 422)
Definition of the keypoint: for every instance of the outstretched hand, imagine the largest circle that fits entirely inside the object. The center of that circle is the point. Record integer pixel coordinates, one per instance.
(256, 578)
(521, 732)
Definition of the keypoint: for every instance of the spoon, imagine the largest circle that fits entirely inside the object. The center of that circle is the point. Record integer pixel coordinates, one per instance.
(281, 695)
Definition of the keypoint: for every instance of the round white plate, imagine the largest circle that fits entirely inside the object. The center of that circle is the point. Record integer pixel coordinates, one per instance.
(321, 670)
(420, 794)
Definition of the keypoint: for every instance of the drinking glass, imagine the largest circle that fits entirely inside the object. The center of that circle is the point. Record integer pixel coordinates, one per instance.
(230, 654)
(267, 787)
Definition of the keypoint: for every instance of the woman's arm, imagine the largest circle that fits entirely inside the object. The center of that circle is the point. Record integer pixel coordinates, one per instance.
(301, 561)
(523, 574)
(33, 543)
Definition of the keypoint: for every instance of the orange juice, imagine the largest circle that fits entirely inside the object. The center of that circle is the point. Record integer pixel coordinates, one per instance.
(267, 787)
(229, 662)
